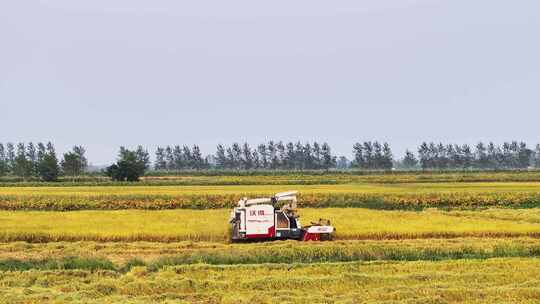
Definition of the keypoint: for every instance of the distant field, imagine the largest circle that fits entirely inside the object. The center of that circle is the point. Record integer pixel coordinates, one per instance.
(211, 225)
(378, 196)
(287, 178)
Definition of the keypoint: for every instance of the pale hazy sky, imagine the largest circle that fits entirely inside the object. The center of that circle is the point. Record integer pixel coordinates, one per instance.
(105, 73)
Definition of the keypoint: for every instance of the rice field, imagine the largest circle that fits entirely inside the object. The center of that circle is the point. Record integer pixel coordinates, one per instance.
(228, 178)
(377, 196)
(410, 239)
(211, 225)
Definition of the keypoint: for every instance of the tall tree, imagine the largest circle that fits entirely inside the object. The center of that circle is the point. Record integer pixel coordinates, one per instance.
(70, 164)
(231, 161)
(142, 155)
(48, 166)
(308, 159)
(178, 158)
(74, 163)
(81, 154)
(387, 162)
(468, 157)
(161, 163)
(263, 156)
(198, 162)
(317, 155)
(189, 161)
(256, 159)
(22, 167)
(247, 157)
(169, 158)
(221, 158)
(524, 156)
(10, 156)
(358, 151)
(3, 161)
(342, 163)
(31, 155)
(494, 156)
(289, 160)
(41, 151)
(409, 161)
(273, 155)
(329, 161)
(424, 157)
(537, 156)
(237, 155)
(281, 154)
(482, 159)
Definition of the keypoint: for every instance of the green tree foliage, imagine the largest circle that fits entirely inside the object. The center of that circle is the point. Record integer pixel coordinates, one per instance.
(342, 163)
(143, 157)
(22, 166)
(328, 161)
(509, 155)
(221, 158)
(47, 167)
(31, 155)
(28, 160)
(372, 156)
(537, 156)
(3, 161)
(10, 156)
(291, 156)
(130, 166)
(160, 163)
(74, 163)
(70, 164)
(183, 158)
(409, 161)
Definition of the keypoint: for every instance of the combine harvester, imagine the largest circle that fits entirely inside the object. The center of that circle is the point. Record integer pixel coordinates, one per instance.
(262, 219)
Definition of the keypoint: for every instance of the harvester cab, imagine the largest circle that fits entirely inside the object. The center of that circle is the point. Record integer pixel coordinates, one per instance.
(274, 218)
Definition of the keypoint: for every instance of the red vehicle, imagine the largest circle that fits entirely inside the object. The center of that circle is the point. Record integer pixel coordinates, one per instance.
(262, 219)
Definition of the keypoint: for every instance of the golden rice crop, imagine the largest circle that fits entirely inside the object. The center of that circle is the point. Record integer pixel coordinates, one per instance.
(387, 196)
(211, 225)
(508, 280)
(188, 252)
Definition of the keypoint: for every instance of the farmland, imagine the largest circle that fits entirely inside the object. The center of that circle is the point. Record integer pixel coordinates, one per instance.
(210, 225)
(510, 280)
(365, 195)
(439, 238)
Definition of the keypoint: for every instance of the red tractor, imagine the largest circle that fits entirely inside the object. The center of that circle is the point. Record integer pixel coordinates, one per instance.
(262, 219)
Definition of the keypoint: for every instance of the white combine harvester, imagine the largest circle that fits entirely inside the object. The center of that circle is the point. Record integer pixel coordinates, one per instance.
(262, 219)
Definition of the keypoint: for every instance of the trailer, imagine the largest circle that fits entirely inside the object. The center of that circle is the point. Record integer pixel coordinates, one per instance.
(264, 219)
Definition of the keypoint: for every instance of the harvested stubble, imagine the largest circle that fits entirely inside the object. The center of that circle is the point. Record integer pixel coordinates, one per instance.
(508, 280)
(23, 256)
(211, 225)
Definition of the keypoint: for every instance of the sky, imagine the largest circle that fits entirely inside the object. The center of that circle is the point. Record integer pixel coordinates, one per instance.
(111, 73)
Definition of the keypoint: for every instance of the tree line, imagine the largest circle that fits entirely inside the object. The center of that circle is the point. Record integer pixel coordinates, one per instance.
(509, 155)
(29, 160)
(40, 161)
(372, 156)
(271, 155)
(178, 158)
(275, 155)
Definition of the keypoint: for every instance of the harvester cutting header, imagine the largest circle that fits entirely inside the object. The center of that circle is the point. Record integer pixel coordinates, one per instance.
(264, 219)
